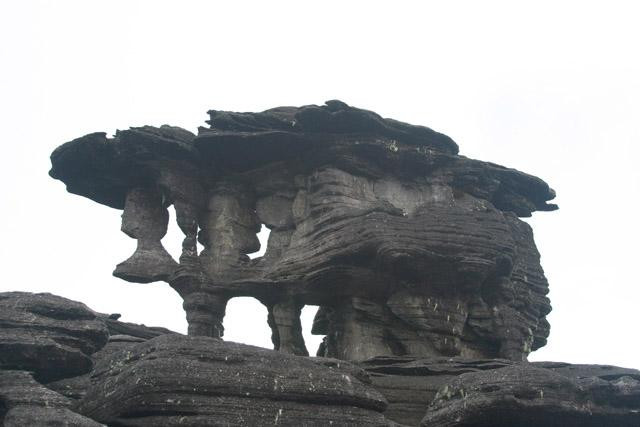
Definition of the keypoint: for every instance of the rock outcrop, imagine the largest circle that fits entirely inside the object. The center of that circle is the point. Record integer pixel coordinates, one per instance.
(178, 380)
(159, 378)
(409, 384)
(25, 402)
(407, 247)
(430, 287)
(51, 336)
(543, 394)
(500, 392)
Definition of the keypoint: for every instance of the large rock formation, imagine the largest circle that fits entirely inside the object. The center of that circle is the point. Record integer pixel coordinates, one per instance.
(426, 278)
(407, 247)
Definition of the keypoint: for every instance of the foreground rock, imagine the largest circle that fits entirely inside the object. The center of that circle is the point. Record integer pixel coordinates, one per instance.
(76, 387)
(409, 384)
(177, 380)
(25, 402)
(51, 336)
(158, 378)
(545, 394)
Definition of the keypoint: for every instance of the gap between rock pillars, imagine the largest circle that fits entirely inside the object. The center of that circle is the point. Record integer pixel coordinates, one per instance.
(263, 237)
(311, 341)
(245, 322)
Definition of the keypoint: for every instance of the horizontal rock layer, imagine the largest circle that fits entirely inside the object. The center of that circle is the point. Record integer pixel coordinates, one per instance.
(539, 394)
(410, 384)
(177, 380)
(48, 335)
(25, 402)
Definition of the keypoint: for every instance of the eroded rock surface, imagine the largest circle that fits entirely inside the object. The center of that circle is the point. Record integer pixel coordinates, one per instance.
(429, 284)
(51, 336)
(545, 394)
(409, 384)
(407, 247)
(25, 402)
(178, 380)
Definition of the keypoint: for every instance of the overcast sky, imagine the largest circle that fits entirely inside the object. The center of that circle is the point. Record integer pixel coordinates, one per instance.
(550, 88)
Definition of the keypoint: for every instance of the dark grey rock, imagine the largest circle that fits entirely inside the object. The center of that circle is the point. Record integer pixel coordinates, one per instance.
(425, 275)
(408, 247)
(51, 336)
(76, 387)
(532, 394)
(409, 384)
(25, 402)
(178, 380)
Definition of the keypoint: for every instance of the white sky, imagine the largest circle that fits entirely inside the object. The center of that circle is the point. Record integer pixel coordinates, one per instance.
(550, 88)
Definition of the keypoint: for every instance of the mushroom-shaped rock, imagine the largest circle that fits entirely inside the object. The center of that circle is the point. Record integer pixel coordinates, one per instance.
(408, 247)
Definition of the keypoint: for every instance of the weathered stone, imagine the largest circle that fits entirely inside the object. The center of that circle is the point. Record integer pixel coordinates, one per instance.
(539, 394)
(409, 384)
(123, 336)
(48, 335)
(145, 218)
(407, 247)
(76, 387)
(24, 402)
(178, 380)
(118, 328)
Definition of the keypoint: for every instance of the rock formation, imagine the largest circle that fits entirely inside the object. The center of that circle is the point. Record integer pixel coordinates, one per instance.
(407, 247)
(430, 287)
(177, 380)
(541, 394)
(154, 377)
(50, 336)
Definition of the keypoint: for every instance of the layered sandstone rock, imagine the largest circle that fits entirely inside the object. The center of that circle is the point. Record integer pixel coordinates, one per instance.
(426, 278)
(407, 247)
(25, 402)
(544, 394)
(51, 336)
(178, 380)
(409, 384)
(147, 376)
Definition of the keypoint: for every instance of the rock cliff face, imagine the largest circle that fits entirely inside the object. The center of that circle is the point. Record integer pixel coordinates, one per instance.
(407, 247)
(430, 287)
